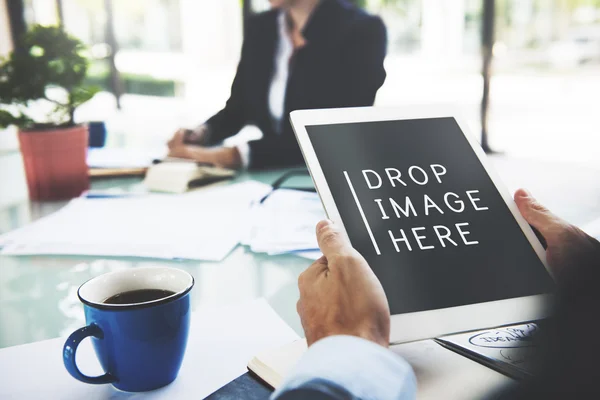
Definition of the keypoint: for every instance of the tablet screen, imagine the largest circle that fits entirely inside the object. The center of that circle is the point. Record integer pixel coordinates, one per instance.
(419, 206)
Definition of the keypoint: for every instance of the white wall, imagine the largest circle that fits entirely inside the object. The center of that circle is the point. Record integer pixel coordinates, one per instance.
(212, 38)
(443, 28)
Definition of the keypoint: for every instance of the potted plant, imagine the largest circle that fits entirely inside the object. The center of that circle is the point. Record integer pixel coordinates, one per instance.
(41, 85)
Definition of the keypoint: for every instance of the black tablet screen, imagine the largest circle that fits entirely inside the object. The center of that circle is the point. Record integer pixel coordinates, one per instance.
(422, 210)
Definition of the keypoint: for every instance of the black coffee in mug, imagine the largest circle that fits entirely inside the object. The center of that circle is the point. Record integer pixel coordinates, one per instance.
(138, 320)
(138, 296)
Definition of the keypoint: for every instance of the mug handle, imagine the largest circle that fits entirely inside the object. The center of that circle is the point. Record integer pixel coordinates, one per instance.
(70, 349)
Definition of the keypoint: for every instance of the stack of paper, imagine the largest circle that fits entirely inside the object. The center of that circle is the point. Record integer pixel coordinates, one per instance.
(285, 222)
(205, 224)
(221, 342)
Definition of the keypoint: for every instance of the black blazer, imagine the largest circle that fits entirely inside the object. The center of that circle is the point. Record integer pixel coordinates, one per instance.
(340, 66)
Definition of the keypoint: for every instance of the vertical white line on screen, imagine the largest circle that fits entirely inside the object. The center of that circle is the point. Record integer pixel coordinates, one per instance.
(362, 213)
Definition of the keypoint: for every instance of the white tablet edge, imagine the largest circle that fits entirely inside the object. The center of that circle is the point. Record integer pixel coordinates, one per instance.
(431, 323)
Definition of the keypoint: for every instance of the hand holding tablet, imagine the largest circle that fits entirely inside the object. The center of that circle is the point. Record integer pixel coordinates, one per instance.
(570, 252)
(341, 273)
(417, 200)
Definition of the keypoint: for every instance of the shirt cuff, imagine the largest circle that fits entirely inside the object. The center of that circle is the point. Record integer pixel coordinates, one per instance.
(244, 150)
(363, 368)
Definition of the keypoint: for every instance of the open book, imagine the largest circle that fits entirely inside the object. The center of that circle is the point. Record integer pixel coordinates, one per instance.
(273, 365)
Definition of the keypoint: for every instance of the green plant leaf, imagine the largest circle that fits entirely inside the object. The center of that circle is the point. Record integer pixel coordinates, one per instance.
(7, 119)
(50, 58)
(80, 95)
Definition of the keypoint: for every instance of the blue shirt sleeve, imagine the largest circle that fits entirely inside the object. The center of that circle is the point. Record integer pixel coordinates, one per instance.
(359, 367)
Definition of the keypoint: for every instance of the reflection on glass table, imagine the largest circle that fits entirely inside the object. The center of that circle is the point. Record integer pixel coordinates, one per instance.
(38, 294)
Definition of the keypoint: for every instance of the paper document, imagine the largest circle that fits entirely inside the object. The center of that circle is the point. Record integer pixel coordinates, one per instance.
(222, 340)
(205, 224)
(443, 374)
(511, 350)
(286, 222)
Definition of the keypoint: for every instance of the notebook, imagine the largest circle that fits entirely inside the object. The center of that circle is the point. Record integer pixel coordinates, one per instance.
(180, 176)
(272, 366)
(509, 350)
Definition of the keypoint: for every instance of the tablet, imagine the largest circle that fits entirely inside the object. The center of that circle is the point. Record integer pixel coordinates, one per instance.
(417, 198)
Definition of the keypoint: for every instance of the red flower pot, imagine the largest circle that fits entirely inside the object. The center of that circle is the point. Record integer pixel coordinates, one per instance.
(55, 162)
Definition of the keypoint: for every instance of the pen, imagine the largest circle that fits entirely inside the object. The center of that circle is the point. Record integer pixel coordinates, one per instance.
(105, 195)
(180, 160)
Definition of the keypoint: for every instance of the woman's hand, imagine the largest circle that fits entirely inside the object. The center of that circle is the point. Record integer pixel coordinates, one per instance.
(225, 157)
(179, 144)
(187, 144)
(183, 136)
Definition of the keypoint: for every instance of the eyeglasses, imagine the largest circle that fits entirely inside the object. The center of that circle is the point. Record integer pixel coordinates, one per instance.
(278, 184)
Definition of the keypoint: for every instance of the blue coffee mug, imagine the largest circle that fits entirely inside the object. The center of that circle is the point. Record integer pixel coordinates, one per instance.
(141, 345)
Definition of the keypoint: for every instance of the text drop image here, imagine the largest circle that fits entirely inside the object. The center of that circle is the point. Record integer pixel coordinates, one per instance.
(418, 204)
(406, 206)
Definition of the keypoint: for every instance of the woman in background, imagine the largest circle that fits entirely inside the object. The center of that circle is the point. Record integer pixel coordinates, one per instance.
(302, 54)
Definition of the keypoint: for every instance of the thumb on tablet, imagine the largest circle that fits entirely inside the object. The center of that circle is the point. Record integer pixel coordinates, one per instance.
(332, 240)
(537, 215)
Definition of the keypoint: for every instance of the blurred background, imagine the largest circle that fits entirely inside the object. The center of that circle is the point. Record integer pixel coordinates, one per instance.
(163, 64)
(166, 64)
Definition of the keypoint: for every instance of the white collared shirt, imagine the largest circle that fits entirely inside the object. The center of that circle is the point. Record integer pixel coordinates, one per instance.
(283, 53)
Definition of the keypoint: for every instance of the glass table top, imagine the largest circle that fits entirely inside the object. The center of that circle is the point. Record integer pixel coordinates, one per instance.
(38, 298)
(38, 294)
